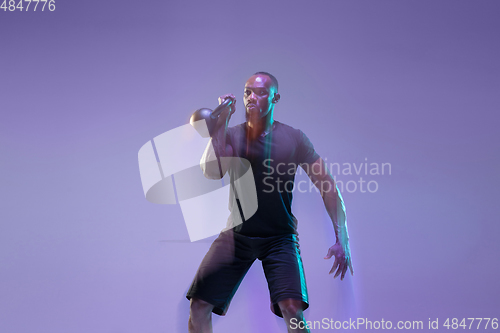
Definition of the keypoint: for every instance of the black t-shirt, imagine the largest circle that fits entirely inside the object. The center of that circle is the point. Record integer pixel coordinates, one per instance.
(274, 159)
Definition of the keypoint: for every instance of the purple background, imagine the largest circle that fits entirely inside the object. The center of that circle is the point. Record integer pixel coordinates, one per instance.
(411, 83)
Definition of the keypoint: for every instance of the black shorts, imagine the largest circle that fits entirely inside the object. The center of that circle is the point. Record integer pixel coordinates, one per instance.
(231, 255)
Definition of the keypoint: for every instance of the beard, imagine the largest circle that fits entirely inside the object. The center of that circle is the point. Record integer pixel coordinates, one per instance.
(255, 116)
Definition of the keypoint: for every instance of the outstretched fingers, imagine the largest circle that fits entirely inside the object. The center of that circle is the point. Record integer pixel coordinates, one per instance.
(335, 264)
(342, 261)
(350, 267)
(341, 268)
(344, 270)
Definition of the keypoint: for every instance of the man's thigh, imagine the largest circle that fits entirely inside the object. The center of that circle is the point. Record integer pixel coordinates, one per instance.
(221, 272)
(284, 271)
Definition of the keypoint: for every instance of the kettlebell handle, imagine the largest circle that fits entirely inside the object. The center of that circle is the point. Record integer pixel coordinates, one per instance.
(218, 110)
(210, 118)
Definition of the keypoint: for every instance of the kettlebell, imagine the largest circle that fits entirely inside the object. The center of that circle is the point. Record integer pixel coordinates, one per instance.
(210, 118)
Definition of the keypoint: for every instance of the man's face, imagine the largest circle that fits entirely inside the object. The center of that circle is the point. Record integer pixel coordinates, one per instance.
(258, 95)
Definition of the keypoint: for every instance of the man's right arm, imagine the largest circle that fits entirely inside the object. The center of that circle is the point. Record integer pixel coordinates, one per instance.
(213, 163)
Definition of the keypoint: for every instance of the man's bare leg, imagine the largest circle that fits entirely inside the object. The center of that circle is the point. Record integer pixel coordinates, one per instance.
(200, 316)
(292, 309)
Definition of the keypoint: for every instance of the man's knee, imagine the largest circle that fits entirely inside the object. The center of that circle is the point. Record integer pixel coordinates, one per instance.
(291, 308)
(199, 307)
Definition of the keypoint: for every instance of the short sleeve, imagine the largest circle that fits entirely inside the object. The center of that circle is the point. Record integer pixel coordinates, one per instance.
(305, 150)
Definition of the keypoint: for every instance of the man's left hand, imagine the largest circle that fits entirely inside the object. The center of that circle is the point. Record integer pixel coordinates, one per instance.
(342, 259)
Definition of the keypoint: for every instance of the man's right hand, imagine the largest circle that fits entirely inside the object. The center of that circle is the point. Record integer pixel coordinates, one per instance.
(218, 147)
(227, 113)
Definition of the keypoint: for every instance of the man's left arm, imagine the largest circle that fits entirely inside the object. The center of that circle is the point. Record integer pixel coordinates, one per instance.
(323, 180)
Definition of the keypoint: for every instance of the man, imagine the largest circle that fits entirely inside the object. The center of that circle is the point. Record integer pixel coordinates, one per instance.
(270, 235)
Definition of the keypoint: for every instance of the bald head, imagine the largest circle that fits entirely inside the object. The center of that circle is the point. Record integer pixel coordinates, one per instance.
(272, 77)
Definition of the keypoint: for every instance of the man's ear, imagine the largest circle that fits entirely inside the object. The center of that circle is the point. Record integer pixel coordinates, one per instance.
(276, 98)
